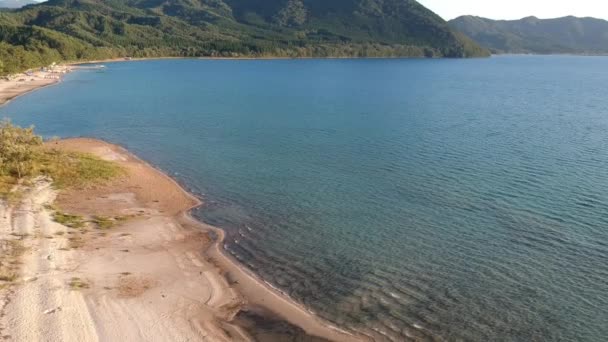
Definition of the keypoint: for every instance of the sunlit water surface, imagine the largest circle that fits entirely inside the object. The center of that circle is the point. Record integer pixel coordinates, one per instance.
(431, 199)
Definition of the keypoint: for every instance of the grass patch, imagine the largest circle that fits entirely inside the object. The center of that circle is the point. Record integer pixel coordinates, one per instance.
(51, 207)
(103, 222)
(24, 157)
(78, 284)
(75, 169)
(72, 221)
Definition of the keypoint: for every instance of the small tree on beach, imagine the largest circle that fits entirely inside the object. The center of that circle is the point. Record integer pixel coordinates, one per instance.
(18, 148)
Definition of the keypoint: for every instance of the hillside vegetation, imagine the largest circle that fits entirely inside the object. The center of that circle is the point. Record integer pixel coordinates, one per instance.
(540, 36)
(93, 29)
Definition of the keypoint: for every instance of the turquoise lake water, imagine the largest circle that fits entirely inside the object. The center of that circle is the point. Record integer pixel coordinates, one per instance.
(422, 199)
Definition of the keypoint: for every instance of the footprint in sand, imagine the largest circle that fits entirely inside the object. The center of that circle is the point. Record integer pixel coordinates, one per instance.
(194, 259)
(50, 311)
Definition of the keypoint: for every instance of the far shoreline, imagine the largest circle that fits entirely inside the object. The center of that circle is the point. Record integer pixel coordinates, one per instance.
(10, 90)
(16, 91)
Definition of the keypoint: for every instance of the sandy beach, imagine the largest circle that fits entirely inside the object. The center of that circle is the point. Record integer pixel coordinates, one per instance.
(153, 274)
(22, 83)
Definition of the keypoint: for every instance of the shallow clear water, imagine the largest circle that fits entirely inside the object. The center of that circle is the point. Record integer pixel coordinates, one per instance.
(431, 199)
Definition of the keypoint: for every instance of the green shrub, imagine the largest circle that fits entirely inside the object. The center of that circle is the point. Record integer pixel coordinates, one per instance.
(23, 157)
(72, 221)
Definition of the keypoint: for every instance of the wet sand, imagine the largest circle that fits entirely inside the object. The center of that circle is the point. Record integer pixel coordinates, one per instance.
(157, 275)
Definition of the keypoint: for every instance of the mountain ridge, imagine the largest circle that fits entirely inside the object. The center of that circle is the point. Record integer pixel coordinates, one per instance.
(564, 35)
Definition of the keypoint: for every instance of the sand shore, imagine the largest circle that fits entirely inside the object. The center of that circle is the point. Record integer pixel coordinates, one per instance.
(23, 83)
(154, 274)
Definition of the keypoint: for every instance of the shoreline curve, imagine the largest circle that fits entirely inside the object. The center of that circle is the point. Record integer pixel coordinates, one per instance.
(248, 284)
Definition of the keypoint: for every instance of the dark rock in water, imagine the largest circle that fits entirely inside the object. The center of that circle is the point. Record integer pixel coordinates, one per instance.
(265, 326)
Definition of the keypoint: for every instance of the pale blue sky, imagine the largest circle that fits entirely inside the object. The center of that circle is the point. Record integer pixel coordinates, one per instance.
(517, 9)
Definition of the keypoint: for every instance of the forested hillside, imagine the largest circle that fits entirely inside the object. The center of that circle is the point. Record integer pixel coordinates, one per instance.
(69, 30)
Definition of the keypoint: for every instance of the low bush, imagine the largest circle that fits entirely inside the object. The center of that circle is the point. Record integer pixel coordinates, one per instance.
(23, 157)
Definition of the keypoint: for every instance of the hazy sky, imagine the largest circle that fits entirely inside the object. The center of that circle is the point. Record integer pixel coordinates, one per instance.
(517, 9)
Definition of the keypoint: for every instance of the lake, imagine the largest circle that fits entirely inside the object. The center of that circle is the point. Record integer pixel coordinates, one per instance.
(402, 199)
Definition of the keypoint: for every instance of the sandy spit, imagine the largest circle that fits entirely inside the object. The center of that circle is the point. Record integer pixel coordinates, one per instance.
(23, 83)
(155, 275)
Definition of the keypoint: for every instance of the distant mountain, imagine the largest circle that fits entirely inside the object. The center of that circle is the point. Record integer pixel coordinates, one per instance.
(15, 3)
(85, 29)
(533, 35)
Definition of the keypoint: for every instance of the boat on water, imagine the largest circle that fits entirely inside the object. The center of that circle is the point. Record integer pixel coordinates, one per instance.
(97, 66)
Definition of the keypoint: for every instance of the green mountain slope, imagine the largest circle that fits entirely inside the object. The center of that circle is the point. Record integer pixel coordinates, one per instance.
(533, 35)
(87, 29)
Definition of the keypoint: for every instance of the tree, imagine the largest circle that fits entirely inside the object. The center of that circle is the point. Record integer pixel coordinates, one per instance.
(17, 149)
(293, 14)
